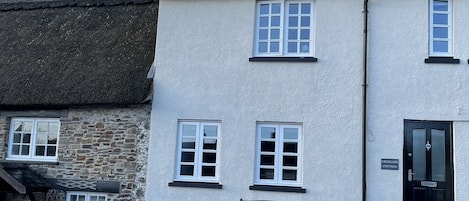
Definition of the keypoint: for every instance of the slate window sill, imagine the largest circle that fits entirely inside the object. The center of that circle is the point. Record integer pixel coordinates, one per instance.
(441, 60)
(195, 184)
(277, 188)
(283, 59)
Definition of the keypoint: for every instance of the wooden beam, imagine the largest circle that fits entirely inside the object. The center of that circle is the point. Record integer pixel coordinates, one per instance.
(20, 188)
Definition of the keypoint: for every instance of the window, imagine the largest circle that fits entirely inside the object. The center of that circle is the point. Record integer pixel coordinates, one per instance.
(198, 149)
(284, 28)
(440, 28)
(85, 196)
(278, 157)
(33, 139)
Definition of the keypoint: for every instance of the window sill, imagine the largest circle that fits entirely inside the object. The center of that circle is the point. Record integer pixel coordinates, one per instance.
(277, 188)
(195, 184)
(283, 59)
(29, 161)
(441, 60)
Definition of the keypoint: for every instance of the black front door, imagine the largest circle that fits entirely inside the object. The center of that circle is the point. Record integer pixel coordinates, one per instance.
(428, 161)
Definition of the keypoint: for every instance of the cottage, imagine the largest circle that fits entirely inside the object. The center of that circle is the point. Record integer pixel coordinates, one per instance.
(75, 99)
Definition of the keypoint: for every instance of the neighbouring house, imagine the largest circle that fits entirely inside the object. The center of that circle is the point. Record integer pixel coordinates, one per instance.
(75, 100)
(257, 100)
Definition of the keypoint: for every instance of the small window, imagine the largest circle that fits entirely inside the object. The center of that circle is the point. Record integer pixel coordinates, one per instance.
(86, 196)
(278, 154)
(198, 151)
(284, 28)
(33, 139)
(440, 28)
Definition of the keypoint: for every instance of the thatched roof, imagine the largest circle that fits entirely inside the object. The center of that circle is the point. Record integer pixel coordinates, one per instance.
(83, 52)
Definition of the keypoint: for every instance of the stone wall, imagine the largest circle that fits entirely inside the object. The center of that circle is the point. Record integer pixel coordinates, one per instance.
(100, 144)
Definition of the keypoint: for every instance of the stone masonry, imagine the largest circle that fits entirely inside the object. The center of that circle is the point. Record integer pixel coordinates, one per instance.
(100, 144)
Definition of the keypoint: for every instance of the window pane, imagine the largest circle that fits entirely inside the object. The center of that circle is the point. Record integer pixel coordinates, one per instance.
(275, 21)
(27, 126)
(40, 150)
(439, 5)
(42, 127)
(187, 156)
(438, 155)
(81, 198)
(264, 22)
(93, 198)
(293, 9)
(187, 170)
(293, 34)
(264, 8)
(290, 133)
(54, 128)
(18, 126)
(304, 34)
(419, 154)
(25, 150)
(188, 143)
(266, 173)
(208, 171)
(268, 132)
(305, 21)
(52, 139)
(41, 138)
(16, 150)
(305, 8)
(209, 158)
(274, 47)
(292, 47)
(267, 160)
(267, 146)
(440, 46)
(440, 32)
(262, 47)
(73, 198)
(210, 131)
(275, 34)
(304, 47)
(290, 147)
(51, 150)
(289, 175)
(440, 18)
(263, 34)
(275, 8)
(17, 138)
(27, 138)
(293, 21)
(290, 161)
(102, 198)
(189, 130)
(210, 144)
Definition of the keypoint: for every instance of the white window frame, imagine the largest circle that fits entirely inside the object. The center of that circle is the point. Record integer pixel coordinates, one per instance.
(198, 150)
(449, 26)
(33, 143)
(87, 195)
(278, 160)
(283, 38)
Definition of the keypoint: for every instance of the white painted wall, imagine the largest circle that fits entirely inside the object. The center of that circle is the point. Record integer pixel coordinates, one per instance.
(402, 86)
(203, 72)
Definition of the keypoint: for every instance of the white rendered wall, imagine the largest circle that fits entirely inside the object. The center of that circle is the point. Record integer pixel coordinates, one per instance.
(402, 86)
(203, 72)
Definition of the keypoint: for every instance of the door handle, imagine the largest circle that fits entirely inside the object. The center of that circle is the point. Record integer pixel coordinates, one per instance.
(410, 175)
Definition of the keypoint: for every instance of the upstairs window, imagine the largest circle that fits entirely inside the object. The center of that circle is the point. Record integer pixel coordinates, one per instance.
(278, 155)
(440, 28)
(284, 29)
(86, 196)
(33, 139)
(198, 151)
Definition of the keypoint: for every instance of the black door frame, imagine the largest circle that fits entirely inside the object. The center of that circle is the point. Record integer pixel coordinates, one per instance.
(408, 160)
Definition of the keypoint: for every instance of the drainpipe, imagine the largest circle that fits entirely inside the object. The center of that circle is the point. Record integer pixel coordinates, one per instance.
(365, 94)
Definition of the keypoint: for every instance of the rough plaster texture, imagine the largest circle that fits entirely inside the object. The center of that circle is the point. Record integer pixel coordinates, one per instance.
(402, 86)
(101, 144)
(203, 72)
